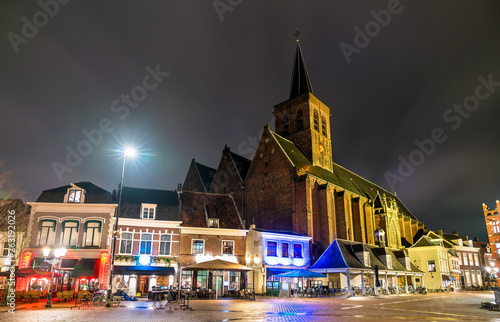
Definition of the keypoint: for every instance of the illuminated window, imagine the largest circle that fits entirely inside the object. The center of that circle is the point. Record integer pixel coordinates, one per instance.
(148, 211)
(388, 259)
(75, 196)
(47, 233)
(471, 259)
(165, 242)
(432, 266)
(272, 248)
(316, 121)
(70, 233)
(92, 233)
(284, 249)
(466, 262)
(228, 247)
(476, 260)
(126, 243)
(297, 250)
(5, 249)
(496, 227)
(213, 222)
(146, 243)
(197, 246)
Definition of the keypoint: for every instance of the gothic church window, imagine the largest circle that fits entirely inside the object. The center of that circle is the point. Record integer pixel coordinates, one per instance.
(323, 125)
(285, 125)
(299, 120)
(316, 121)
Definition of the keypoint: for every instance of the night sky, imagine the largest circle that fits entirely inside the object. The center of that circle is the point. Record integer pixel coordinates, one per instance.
(218, 72)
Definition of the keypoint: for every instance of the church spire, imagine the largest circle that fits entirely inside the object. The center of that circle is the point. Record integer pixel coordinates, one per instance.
(300, 78)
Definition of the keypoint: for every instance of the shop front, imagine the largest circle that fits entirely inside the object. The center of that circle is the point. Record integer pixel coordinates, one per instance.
(135, 280)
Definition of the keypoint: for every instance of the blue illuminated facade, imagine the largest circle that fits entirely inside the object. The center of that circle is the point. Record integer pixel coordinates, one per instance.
(280, 252)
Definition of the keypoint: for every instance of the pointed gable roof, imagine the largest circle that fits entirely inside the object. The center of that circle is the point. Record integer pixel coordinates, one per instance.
(199, 177)
(242, 164)
(300, 79)
(332, 258)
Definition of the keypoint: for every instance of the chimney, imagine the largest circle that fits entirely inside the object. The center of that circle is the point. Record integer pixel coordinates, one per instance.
(440, 232)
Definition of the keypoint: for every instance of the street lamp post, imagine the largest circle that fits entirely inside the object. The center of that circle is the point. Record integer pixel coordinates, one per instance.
(58, 254)
(128, 152)
(254, 265)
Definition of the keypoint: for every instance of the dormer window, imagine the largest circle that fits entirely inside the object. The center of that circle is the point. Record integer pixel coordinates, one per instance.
(407, 262)
(388, 260)
(75, 196)
(148, 211)
(213, 222)
(366, 258)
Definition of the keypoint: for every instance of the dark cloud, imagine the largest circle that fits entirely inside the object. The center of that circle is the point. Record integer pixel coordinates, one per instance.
(225, 77)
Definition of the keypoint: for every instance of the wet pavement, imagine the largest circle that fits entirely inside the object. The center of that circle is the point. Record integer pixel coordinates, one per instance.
(459, 306)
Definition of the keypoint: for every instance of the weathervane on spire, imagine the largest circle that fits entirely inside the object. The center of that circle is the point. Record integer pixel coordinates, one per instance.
(296, 34)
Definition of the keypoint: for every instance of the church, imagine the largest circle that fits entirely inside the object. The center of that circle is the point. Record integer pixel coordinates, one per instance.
(292, 184)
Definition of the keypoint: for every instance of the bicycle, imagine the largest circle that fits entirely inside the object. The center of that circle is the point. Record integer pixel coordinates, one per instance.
(100, 298)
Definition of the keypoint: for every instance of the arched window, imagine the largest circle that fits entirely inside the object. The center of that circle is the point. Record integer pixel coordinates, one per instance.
(316, 120)
(93, 233)
(299, 120)
(47, 234)
(70, 232)
(323, 125)
(285, 125)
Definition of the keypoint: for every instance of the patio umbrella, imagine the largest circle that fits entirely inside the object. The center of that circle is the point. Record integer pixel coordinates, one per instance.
(301, 273)
(35, 272)
(217, 265)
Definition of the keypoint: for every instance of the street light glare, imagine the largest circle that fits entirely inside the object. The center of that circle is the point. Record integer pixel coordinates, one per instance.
(129, 152)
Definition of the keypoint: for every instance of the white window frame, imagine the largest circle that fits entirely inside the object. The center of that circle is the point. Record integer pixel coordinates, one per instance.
(50, 241)
(131, 242)
(76, 235)
(476, 259)
(222, 246)
(85, 227)
(140, 243)
(169, 243)
(388, 259)
(192, 242)
(148, 206)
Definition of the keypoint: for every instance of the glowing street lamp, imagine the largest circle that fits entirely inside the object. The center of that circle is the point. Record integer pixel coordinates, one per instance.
(254, 266)
(128, 152)
(58, 254)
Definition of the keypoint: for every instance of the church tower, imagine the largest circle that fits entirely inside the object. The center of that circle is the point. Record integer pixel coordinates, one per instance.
(304, 119)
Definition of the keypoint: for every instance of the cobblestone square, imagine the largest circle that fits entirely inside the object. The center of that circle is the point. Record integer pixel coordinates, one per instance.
(459, 306)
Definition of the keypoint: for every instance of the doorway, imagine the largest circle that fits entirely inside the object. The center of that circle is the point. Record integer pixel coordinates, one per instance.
(143, 284)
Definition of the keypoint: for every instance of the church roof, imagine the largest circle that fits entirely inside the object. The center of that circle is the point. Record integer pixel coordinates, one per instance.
(300, 79)
(206, 174)
(340, 176)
